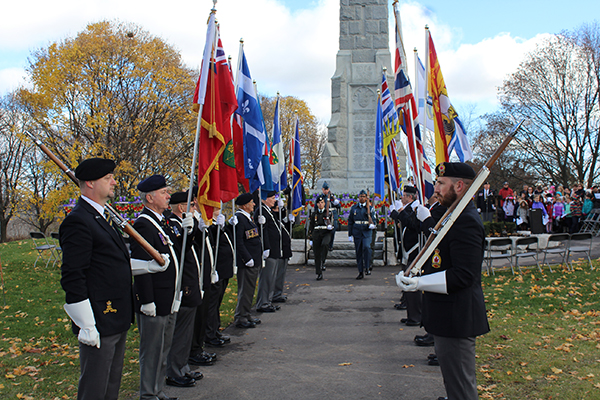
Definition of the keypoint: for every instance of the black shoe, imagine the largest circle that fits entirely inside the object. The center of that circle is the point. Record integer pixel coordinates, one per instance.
(255, 321)
(277, 308)
(368, 272)
(183, 381)
(266, 309)
(216, 342)
(442, 398)
(410, 322)
(210, 355)
(245, 324)
(323, 267)
(403, 320)
(400, 306)
(195, 375)
(433, 361)
(426, 341)
(360, 275)
(320, 277)
(224, 338)
(281, 299)
(420, 337)
(201, 359)
(430, 356)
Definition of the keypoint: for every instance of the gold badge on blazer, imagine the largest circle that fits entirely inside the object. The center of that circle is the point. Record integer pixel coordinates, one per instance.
(251, 233)
(436, 260)
(109, 308)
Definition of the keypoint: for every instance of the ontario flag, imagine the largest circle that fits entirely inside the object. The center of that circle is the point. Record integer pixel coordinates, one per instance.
(217, 176)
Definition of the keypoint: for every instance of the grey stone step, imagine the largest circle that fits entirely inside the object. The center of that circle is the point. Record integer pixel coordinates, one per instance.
(344, 263)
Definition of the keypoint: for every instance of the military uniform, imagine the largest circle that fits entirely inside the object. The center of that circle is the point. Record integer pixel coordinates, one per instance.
(320, 236)
(271, 236)
(286, 254)
(358, 229)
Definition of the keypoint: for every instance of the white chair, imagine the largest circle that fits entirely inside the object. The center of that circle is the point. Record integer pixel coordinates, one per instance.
(496, 249)
(580, 243)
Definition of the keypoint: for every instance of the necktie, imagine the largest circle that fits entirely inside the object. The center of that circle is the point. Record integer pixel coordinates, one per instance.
(110, 221)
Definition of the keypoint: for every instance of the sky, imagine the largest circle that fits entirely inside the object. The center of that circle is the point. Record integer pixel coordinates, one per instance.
(291, 45)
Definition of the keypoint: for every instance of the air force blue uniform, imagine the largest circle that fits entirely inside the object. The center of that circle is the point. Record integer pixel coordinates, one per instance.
(358, 228)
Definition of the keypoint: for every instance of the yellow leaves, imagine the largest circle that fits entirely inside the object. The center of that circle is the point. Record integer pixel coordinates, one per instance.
(566, 347)
(556, 370)
(24, 396)
(408, 366)
(528, 378)
(344, 364)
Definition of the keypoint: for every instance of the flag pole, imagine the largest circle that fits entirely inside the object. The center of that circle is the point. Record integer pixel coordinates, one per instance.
(279, 178)
(233, 200)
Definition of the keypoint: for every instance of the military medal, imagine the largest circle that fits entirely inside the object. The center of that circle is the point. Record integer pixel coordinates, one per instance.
(436, 260)
(162, 238)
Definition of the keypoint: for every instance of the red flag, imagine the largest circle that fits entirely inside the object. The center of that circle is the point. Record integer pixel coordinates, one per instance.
(217, 177)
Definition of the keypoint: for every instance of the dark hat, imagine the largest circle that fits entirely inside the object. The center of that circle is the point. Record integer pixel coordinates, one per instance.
(94, 168)
(243, 198)
(319, 198)
(506, 183)
(178, 198)
(325, 185)
(287, 190)
(455, 170)
(362, 192)
(152, 183)
(410, 189)
(265, 194)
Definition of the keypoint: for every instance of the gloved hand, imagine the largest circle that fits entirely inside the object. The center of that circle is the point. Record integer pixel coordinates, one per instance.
(266, 254)
(233, 220)
(262, 220)
(372, 226)
(350, 239)
(280, 203)
(329, 227)
(493, 207)
(214, 277)
(336, 202)
(405, 283)
(398, 206)
(250, 263)
(292, 218)
(310, 243)
(220, 220)
(141, 267)
(414, 205)
(422, 213)
(149, 309)
(414, 271)
(82, 315)
(201, 223)
(479, 210)
(188, 223)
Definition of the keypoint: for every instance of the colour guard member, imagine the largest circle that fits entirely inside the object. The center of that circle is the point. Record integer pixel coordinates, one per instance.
(360, 227)
(319, 233)
(286, 251)
(335, 208)
(453, 305)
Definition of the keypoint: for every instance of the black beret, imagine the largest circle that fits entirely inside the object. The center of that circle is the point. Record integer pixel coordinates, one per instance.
(410, 189)
(178, 198)
(325, 185)
(152, 183)
(265, 194)
(319, 198)
(94, 168)
(455, 170)
(362, 192)
(287, 190)
(243, 198)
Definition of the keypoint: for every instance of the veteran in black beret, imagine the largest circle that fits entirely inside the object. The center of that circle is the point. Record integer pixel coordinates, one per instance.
(96, 278)
(453, 303)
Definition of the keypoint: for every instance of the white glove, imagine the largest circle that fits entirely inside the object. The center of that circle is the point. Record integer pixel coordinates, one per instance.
(233, 220)
(405, 283)
(479, 210)
(266, 254)
(141, 267)
(336, 202)
(310, 243)
(214, 277)
(435, 283)
(220, 220)
(350, 239)
(280, 203)
(82, 315)
(422, 213)
(250, 263)
(398, 206)
(188, 223)
(372, 226)
(329, 227)
(149, 309)
(292, 218)
(262, 220)
(493, 207)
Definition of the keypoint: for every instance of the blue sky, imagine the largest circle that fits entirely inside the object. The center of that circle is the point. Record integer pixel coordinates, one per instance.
(291, 45)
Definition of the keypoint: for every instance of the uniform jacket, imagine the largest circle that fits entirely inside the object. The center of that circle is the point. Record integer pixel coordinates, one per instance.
(334, 210)
(411, 227)
(316, 219)
(225, 250)
(96, 266)
(286, 238)
(190, 281)
(460, 313)
(159, 287)
(358, 213)
(247, 241)
(485, 203)
(270, 231)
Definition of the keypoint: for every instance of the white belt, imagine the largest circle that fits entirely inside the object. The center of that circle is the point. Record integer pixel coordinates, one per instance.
(361, 222)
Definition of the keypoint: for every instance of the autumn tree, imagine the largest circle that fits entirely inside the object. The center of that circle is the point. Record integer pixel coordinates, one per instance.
(114, 91)
(556, 89)
(311, 133)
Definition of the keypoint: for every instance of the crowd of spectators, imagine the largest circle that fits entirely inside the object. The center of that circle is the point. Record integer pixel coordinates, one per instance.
(563, 208)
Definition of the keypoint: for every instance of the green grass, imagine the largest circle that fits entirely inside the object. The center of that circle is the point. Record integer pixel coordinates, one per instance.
(39, 355)
(545, 335)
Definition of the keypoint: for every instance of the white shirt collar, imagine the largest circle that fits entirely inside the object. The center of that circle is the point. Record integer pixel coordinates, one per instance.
(159, 216)
(96, 206)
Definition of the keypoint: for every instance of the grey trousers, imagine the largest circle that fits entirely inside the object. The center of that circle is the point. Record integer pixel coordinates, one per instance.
(246, 285)
(280, 278)
(101, 368)
(156, 335)
(177, 360)
(266, 282)
(457, 362)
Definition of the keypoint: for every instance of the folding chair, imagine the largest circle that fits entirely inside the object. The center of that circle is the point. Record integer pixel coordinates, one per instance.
(40, 243)
(591, 224)
(498, 249)
(524, 247)
(560, 242)
(580, 243)
(58, 249)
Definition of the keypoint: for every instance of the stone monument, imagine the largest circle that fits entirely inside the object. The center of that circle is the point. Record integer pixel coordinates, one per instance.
(348, 158)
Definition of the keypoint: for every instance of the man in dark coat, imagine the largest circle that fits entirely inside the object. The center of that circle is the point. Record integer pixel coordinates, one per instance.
(485, 202)
(453, 306)
(280, 213)
(360, 227)
(96, 278)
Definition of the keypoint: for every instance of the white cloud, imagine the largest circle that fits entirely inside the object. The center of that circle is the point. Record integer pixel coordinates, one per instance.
(11, 79)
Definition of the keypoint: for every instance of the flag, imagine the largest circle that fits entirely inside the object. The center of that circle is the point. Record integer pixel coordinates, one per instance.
(276, 159)
(297, 180)
(391, 124)
(392, 175)
(237, 132)
(200, 91)
(267, 185)
(254, 136)
(424, 101)
(216, 163)
(449, 132)
(379, 188)
(405, 104)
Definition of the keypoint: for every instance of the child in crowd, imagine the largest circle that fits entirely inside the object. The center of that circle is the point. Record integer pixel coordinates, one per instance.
(588, 205)
(548, 205)
(522, 213)
(576, 206)
(509, 209)
(558, 213)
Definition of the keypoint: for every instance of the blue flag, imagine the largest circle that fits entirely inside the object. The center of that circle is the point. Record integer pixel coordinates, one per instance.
(254, 127)
(297, 189)
(379, 188)
(277, 159)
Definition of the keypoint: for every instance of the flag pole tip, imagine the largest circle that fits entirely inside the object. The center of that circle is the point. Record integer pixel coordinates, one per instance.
(384, 69)
(427, 27)
(241, 40)
(415, 49)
